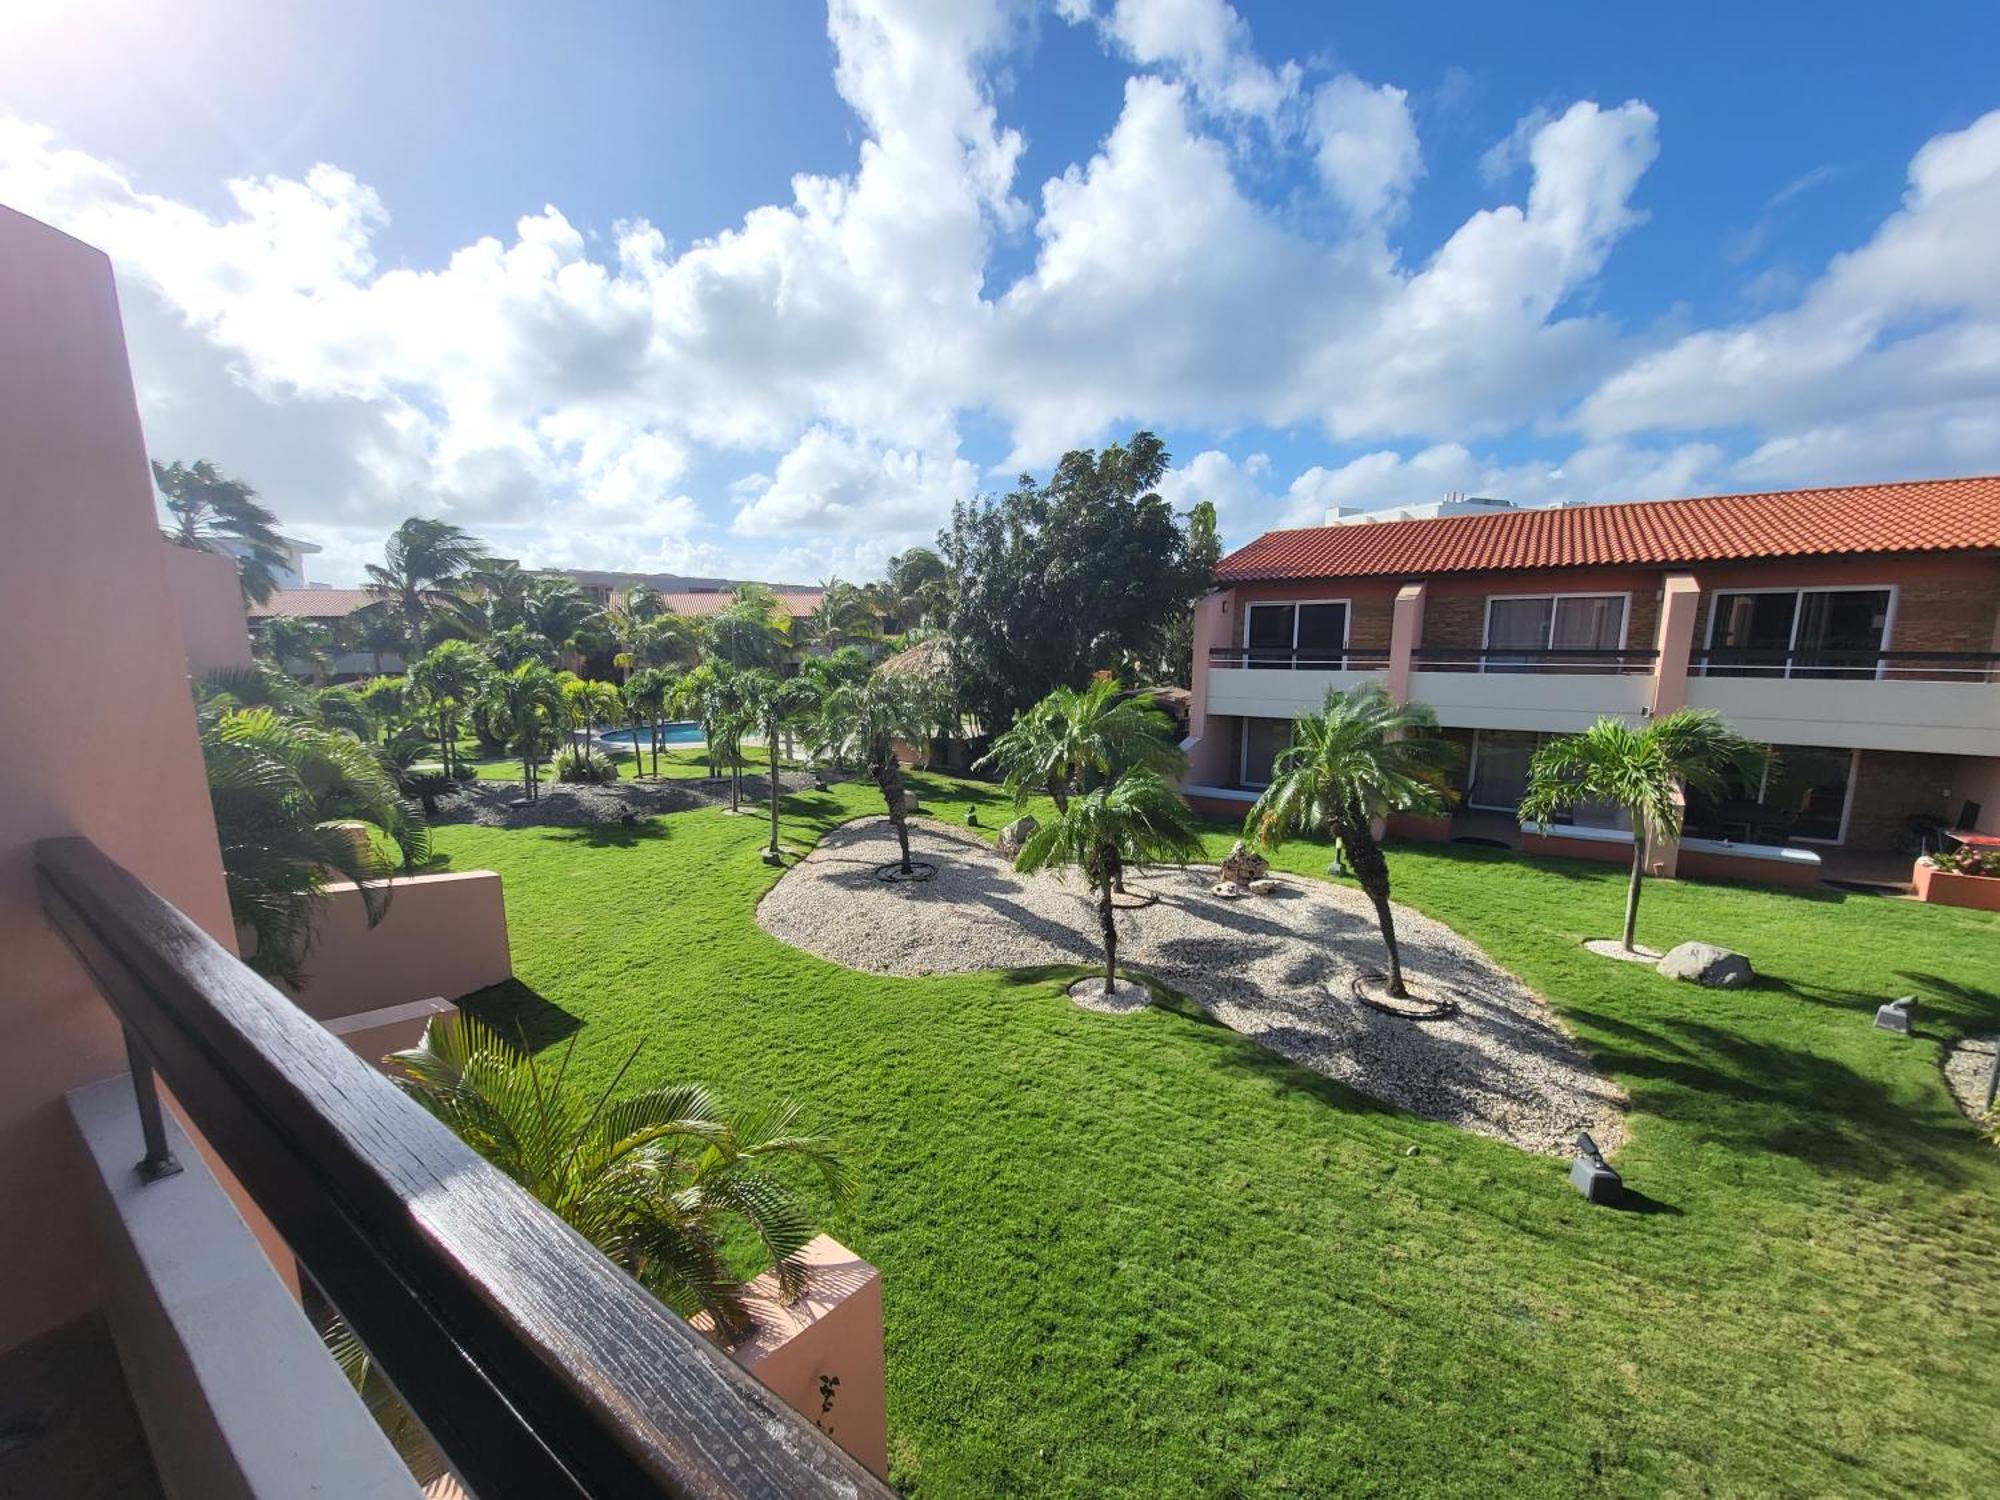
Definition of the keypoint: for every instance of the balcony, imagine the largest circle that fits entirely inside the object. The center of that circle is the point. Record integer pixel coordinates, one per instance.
(1281, 684)
(1553, 690)
(535, 1365)
(1937, 702)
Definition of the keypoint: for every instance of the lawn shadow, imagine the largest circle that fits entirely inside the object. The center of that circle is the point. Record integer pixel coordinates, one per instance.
(521, 1014)
(620, 835)
(1631, 1201)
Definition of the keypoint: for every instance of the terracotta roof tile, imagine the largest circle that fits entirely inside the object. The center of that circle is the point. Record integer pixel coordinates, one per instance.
(796, 602)
(315, 604)
(1931, 515)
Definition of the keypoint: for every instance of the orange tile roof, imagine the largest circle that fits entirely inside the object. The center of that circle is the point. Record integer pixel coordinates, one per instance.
(315, 604)
(796, 602)
(1931, 515)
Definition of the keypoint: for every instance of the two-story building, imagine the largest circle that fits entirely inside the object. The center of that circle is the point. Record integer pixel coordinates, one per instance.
(1857, 630)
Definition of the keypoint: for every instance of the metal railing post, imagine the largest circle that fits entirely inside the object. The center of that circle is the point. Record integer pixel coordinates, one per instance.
(159, 1160)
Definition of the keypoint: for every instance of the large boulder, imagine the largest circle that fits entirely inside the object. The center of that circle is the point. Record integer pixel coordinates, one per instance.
(1244, 865)
(1014, 837)
(1706, 964)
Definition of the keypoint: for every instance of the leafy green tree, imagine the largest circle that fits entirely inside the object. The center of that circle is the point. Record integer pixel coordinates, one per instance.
(1204, 545)
(529, 702)
(423, 570)
(452, 676)
(1056, 581)
(507, 648)
(210, 512)
(296, 806)
(843, 616)
(377, 630)
(866, 720)
(288, 638)
(1136, 820)
(561, 613)
(259, 685)
(772, 702)
(1361, 757)
(389, 702)
(1644, 771)
(499, 586)
(666, 640)
(917, 588)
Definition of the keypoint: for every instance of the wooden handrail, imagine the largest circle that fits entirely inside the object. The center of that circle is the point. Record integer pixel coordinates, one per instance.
(538, 1366)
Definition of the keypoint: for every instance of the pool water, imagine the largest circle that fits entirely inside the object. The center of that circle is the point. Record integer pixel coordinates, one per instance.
(681, 732)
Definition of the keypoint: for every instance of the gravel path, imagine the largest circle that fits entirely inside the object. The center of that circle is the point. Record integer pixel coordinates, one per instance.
(1966, 1068)
(1502, 1066)
(564, 805)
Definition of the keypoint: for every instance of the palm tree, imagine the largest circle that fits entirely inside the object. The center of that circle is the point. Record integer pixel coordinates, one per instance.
(647, 693)
(560, 612)
(659, 1181)
(288, 638)
(451, 676)
(842, 617)
(867, 719)
(297, 805)
(213, 513)
(753, 631)
(1136, 820)
(502, 590)
(1643, 771)
(529, 701)
(423, 566)
(376, 629)
(508, 647)
(1071, 741)
(774, 700)
(917, 590)
(345, 708)
(1361, 757)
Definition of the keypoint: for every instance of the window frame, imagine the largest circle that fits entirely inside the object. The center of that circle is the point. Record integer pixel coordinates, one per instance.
(1894, 591)
(1295, 605)
(1548, 644)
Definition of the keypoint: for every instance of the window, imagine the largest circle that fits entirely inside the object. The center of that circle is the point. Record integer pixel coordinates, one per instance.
(1308, 635)
(1553, 622)
(1798, 632)
(1262, 740)
(1803, 798)
(1500, 761)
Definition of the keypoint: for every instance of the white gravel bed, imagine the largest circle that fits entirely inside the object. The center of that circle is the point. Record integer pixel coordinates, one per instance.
(1966, 1069)
(1275, 968)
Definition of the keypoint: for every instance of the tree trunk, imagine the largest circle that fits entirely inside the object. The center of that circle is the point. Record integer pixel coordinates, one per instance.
(653, 734)
(889, 777)
(1632, 891)
(1107, 915)
(444, 744)
(1060, 794)
(1371, 872)
(774, 788)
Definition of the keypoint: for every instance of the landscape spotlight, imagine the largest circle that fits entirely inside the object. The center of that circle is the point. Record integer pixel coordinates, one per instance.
(1895, 1016)
(1592, 1176)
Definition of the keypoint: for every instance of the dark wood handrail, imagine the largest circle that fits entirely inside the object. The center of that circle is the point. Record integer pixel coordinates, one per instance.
(538, 1366)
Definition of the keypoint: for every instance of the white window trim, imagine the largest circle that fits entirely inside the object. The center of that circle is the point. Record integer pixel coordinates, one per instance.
(1846, 802)
(1893, 590)
(1295, 605)
(1624, 616)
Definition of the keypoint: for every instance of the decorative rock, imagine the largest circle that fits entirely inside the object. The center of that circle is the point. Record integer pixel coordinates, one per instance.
(1264, 888)
(1014, 837)
(1706, 964)
(1227, 890)
(1244, 864)
(910, 803)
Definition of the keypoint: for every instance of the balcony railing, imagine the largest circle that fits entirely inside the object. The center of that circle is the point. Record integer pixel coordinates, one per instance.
(537, 1366)
(1820, 664)
(1568, 663)
(1311, 659)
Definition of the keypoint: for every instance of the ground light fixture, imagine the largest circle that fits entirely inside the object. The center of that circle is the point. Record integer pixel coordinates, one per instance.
(1591, 1175)
(1895, 1016)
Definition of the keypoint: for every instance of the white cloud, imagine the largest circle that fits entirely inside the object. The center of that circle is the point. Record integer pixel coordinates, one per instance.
(834, 485)
(1207, 43)
(1365, 144)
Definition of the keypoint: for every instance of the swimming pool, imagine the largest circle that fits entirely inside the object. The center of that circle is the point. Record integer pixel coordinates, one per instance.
(680, 732)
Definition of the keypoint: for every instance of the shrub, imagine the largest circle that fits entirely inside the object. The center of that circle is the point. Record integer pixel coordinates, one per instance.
(586, 767)
(1964, 861)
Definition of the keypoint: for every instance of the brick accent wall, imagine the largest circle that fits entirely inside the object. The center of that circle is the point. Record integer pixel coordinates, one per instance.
(1642, 623)
(1944, 616)
(1369, 622)
(1455, 620)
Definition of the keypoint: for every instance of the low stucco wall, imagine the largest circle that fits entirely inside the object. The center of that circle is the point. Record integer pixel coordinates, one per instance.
(443, 935)
(208, 599)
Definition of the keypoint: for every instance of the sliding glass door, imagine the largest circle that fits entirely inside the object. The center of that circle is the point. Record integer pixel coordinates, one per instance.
(1312, 636)
(1798, 633)
(1553, 622)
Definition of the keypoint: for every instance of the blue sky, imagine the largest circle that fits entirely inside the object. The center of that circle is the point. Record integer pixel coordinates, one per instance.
(759, 288)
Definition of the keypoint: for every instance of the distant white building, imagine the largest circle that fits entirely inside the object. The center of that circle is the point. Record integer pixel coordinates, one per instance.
(1427, 510)
(293, 574)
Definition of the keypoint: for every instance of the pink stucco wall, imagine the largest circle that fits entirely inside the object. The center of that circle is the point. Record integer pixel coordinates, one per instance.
(78, 499)
(208, 601)
(442, 935)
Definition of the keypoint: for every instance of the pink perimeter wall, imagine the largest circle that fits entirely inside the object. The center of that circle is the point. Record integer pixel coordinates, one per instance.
(208, 600)
(442, 935)
(100, 734)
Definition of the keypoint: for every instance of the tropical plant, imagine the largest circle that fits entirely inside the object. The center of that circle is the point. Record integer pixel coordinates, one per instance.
(843, 616)
(259, 685)
(528, 701)
(558, 610)
(288, 638)
(1204, 551)
(867, 720)
(210, 512)
(451, 676)
(772, 701)
(666, 640)
(1359, 758)
(388, 701)
(508, 647)
(752, 632)
(661, 1182)
(500, 588)
(377, 630)
(345, 708)
(297, 805)
(917, 588)
(1136, 820)
(585, 766)
(406, 756)
(1644, 771)
(423, 567)
(648, 691)
(1072, 741)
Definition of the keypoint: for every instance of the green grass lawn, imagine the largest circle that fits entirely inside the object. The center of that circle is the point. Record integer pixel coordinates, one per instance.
(1144, 1256)
(679, 764)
